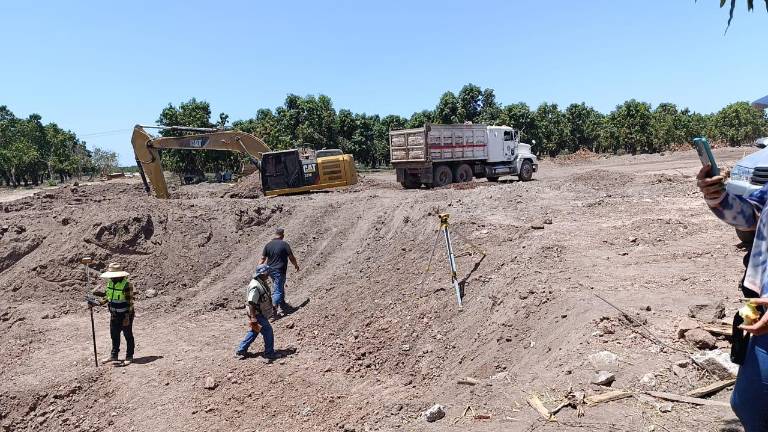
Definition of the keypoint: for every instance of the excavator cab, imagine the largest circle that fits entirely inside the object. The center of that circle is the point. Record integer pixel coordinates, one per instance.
(284, 172)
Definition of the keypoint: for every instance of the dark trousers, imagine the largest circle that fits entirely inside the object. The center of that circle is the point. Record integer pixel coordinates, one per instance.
(121, 321)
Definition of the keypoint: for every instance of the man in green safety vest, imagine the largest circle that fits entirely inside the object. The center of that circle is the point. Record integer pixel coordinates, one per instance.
(118, 296)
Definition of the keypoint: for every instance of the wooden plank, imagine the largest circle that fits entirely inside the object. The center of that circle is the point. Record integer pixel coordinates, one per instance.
(686, 399)
(536, 404)
(607, 397)
(712, 388)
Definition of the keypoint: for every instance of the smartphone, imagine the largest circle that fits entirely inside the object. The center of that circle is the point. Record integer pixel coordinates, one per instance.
(705, 155)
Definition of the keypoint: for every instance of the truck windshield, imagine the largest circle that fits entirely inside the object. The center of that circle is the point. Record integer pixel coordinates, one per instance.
(508, 136)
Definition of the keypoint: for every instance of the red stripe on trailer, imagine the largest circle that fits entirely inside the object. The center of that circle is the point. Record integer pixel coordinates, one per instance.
(443, 147)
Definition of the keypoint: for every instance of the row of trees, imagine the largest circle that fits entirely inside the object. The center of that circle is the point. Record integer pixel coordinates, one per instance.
(632, 127)
(32, 152)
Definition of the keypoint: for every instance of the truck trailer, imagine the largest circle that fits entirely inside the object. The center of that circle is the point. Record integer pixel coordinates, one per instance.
(437, 155)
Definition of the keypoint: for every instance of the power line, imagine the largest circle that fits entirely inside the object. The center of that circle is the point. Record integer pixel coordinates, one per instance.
(106, 133)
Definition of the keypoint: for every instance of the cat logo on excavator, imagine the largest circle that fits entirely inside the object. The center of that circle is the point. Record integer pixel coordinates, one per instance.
(282, 172)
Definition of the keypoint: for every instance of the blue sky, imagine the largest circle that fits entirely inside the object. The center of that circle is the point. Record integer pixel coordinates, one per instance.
(96, 66)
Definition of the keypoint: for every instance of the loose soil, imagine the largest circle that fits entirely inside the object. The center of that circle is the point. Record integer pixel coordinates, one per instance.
(376, 340)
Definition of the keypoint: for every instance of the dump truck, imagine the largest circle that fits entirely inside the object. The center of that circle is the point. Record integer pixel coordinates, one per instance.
(282, 172)
(437, 155)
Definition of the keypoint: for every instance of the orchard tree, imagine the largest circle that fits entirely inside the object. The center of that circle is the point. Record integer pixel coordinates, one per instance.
(584, 126)
(629, 128)
(419, 119)
(447, 110)
(470, 103)
(520, 117)
(551, 130)
(739, 123)
(490, 110)
(104, 160)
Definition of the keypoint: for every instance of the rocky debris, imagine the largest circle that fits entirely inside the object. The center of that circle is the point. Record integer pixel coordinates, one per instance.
(150, 293)
(685, 325)
(405, 348)
(603, 378)
(537, 226)
(649, 380)
(701, 339)
(547, 221)
(435, 413)
(210, 383)
(605, 361)
(665, 407)
(707, 312)
(717, 362)
(500, 376)
(678, 371)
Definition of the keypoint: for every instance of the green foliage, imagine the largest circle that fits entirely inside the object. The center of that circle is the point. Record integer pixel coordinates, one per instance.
(629, 128)
(194, 113)
(633, 127)
(585, 125)
(739, 123)
(33, 152)
(750, 6)
(104, 160)
(550, 130)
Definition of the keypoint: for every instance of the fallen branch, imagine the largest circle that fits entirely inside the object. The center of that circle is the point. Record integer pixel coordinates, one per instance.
(686, 399)
(536, 404)
(607, 397)
(712, 388)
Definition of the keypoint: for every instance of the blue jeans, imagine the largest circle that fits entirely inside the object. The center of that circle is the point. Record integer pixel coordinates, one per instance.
(278, 287)
(266, 332)
(750, 395)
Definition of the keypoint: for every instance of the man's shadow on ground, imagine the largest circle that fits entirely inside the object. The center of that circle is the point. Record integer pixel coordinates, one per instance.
(281, 354)
(141, 360)
(292, 310)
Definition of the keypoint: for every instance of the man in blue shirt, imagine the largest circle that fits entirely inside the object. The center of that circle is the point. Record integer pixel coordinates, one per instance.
(276, 255)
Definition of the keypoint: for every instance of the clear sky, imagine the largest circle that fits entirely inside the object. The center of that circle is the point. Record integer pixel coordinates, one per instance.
(98, 66)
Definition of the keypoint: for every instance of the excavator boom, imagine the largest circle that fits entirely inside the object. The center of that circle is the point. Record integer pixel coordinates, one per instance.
(147, 149)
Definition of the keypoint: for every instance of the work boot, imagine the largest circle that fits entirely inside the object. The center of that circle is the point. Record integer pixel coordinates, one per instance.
(271, 356)
(127, 361)
(287, 309)
(110, 359)
(241, 355)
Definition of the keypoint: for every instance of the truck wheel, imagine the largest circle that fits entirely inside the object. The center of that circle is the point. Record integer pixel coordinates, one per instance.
(410, 183)
(462, 174)
(492, 179)
(442, 176)
(526, 171)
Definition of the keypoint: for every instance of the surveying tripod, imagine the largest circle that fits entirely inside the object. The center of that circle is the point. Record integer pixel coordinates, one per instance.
(451, 256)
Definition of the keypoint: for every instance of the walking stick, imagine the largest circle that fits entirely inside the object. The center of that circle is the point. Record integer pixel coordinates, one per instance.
(86, 261)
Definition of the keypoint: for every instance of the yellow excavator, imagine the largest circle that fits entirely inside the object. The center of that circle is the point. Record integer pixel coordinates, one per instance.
(282, 172)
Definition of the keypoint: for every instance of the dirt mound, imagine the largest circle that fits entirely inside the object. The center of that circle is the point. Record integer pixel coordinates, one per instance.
(375, 340)
(248, 187)
(15, 244)
(581, 155)
(601, 179)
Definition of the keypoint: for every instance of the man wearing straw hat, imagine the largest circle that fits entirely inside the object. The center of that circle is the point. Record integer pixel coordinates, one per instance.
(118, 296)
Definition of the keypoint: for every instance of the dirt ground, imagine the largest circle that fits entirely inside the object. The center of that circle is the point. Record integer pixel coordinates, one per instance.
(375, 341)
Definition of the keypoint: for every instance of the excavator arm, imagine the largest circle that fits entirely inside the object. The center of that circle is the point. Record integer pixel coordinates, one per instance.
(147, 149)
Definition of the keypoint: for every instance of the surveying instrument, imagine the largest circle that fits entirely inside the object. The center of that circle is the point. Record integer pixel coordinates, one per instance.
(86, 261)
(457, 285)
